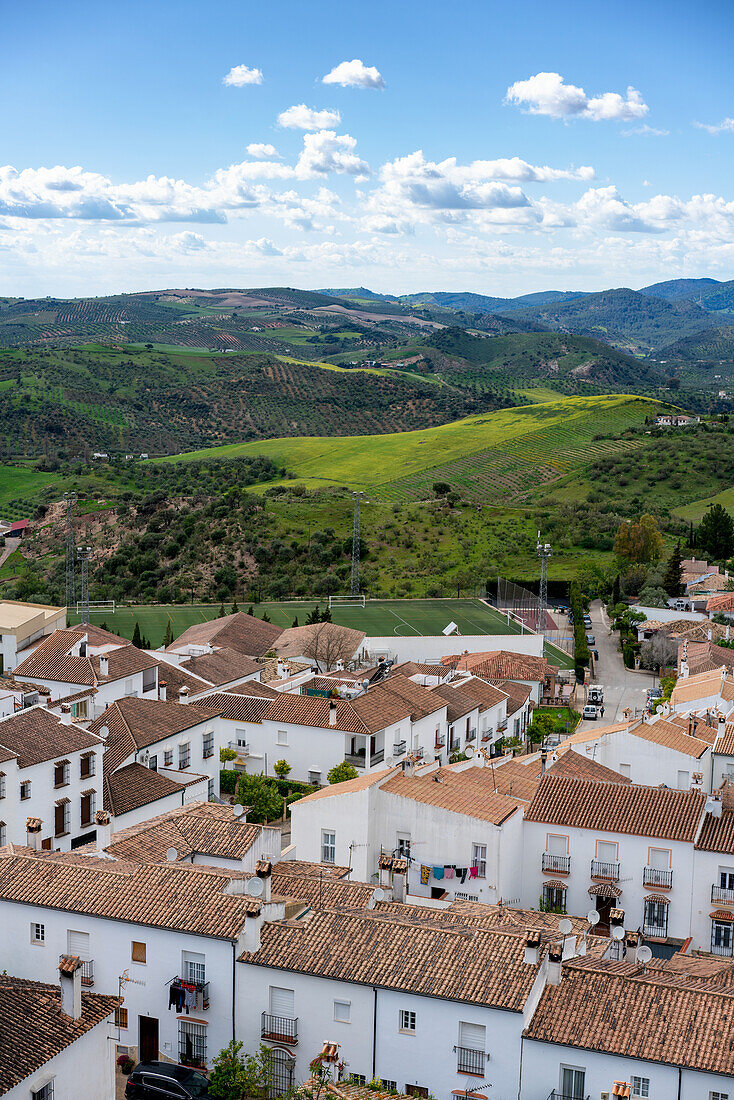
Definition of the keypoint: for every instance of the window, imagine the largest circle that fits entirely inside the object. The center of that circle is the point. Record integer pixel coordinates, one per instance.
(87, 765)
(655, 918)
(470, 1053)
(718, 1095)
(390, 1086)
(138, 951)
(38, 932)
(194, 967)
(281, 737)
(360, 1079)
(640, 1086)
(80, 710)
(460, 896)
(479, 859)
(25, 790)
(150, 678)
(328, 847)
(184, 755)
(406, 1020)
(573, 1083)
(208, 745)
(282, 1003)
(625, 770)
(3, 834)
(726, 880)
(153, 763)
(342, 1011)
(167, 758)
(87, 807)
(129, 688)
(210, 789)
(684, 780)
(2, 784)
(606, 851)
(416, 1090)
(46, 1092)
(403, 847)
(191, 1043)
(314, 778)
(721, 937)
(557, 844)
(62, 817)
(554, 899)
(121, 1017)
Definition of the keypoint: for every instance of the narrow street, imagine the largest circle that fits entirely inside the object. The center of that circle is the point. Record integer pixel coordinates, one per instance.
(622, 688)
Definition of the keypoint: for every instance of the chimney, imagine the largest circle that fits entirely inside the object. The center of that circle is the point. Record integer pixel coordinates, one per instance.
(263, 870)
(340, 665)
(83, 648)
(103, 821)
(283, 670)
(713, 806)
(183, 695)
(250, 938)
(104, 665)
(721, 727)
(554, 965)
(543, 760)
(332, 712)
(408, 766)
(723, 672)
(684, 669)
(569, 947)
(727, 633)
(399, 877)
(532, 948)
(33, 827)
(70, 975)
(66, 715)
(162, 685)
(710, 633)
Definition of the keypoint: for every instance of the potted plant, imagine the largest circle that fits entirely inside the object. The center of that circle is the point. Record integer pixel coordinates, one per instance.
(126, 1064)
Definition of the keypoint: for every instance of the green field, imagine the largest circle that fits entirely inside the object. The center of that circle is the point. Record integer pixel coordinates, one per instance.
(693, 512)
(498, 456)
(401, 618)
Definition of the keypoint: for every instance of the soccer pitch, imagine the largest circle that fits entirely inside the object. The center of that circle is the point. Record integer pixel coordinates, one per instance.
(401, 618)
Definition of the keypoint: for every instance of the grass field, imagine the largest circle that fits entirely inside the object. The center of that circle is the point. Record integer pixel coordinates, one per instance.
(493, 456)
(693, 512)
(401, 618)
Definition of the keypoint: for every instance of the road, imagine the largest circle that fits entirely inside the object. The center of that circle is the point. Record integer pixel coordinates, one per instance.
(622, 688)
(10, 546)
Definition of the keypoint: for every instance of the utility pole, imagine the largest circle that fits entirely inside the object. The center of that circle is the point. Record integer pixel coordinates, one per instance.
(84, 554)
(357, 497)
(544, 553)
(70, 500)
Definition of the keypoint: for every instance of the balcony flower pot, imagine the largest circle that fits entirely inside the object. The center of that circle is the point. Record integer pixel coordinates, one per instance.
(126, 1064)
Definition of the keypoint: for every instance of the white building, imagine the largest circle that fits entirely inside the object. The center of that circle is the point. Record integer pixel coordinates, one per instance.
(55, 1038)
(22, 624)
(50, 772)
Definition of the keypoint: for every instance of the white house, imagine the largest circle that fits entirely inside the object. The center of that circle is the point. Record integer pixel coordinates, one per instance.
(56, 1038)
(22, 624)
(15, 695)
(50, 773)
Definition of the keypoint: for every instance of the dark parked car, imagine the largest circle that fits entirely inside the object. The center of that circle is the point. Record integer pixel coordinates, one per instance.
(165, 1081)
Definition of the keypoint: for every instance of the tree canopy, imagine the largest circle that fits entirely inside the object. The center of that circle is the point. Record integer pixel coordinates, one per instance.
(715, 532)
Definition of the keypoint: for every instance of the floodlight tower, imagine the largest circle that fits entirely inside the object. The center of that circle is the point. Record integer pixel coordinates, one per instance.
(70, 500)
(84, 555)
(357, 497)
(544, 553)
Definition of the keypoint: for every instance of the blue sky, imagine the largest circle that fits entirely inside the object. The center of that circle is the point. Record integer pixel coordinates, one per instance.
(484, 146)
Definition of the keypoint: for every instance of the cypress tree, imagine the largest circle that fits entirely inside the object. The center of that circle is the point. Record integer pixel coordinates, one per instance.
(137, 640)
(671, 579)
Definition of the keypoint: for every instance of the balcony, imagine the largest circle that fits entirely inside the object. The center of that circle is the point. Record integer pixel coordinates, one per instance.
(600, 868)
(240, 747)
(559, 865)
(201, 990)
(455, 746)
(719, 893)
(440, 743)
(556, 1095)
(653, 876)
(357, 759)
(399, 749)
(377, 756)
(87, 970)
(471, 736)
(470, 1061)
(655, 931)
(279, 1029)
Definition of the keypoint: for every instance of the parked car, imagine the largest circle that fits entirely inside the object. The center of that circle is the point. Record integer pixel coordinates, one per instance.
(596, 694)
(590, 639)
(165, 1081)
(590, 711)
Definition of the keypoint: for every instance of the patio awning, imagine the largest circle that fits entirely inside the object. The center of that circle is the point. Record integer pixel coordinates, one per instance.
(605, 890)
(554, 885)
(722, 914)
(659, 898)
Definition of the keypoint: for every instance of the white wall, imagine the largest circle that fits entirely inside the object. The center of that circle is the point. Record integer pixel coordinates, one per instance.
(647, 762)
(424, 648)
(542, 1062)
(82, 1071)
(44, 795)
(667, 614)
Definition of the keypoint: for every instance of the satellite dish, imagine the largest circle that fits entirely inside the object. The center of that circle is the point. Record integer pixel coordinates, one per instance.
(565, 927)
(379, 894)
(104, 731)
(618, 932)
(592, 917)
(172, 855)
(238, 810)
(643, 954)
(255, 887)
(469, 751)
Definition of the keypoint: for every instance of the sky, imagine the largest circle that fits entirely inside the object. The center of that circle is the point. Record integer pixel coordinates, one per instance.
(402, 146)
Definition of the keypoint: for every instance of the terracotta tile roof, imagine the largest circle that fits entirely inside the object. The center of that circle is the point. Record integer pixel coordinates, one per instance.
(422, 701)
(417, 668)
(198, 828)
(702, 685)
(486, 694)
(696, 725)
(350, 786)
(617, 807)
(136, 723)
(717, 833)
(67, 700)
(715, 582)
(322, 892)
(134, 786)
(52, 660)
(670, 736)
(34, 1029)
(502, 664)
(344, 641)
(724, 745)
(9, 683)
(723, 602)
(254, 689)
(458, 703)
(245, 633)
(471, 965)
(645, 1015)
(582, 767)
(378, 709)
(518, 694)
(175, 678)
(471, 792)
(220, 667)
(121, 662)
(312, 710)
(305, 867)
(182, 897)
(96, 636)
(239, 708)
(584, 736)
(512, 777)
(269, 669)
(34, 735)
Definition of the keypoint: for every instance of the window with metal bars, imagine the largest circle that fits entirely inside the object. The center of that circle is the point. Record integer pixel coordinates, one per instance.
(191, 1043)
(61, 773)
(87, 765)
(121, 1018)
(184, 755)
(25, 790)
(46, 1092)
(62, 818)
(168, 758)
(2, 784)
(87, 808)
(208, 745)
(3, 833)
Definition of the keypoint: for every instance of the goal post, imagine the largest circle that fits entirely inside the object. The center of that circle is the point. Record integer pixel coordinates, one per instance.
(336, 601)
(97, 607)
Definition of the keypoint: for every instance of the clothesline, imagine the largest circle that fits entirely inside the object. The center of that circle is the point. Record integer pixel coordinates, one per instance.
(446, 871)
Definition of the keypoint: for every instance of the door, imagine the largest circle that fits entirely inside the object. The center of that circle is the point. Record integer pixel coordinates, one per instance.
(604, 907)
(282, 1067)
(573, 1082)
(148, 1038)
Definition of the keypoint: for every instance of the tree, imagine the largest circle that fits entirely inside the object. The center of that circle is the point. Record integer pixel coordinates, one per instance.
(672, 575)
(313, 616)
(168, 636)
(222, 612)
(340, 773)
(265, 617)
(235, 608)
(441, 488)
(295, 622)
(261, 796)
(329, 644)
(137, 640)
(282, 768)
(659, 652)
(236, 1076)
(616, 591)
(639, 542)
(226, 755)
(715, 534)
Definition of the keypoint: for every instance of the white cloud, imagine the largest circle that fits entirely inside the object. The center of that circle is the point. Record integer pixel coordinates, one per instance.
(261, 150)
(327, 151)
(726, 126)
(645, 131)
(354, 74)
(548, 94)
(301, 117)
(240, 75)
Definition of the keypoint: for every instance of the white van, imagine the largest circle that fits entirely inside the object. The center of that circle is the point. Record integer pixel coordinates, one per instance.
(589, 711)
